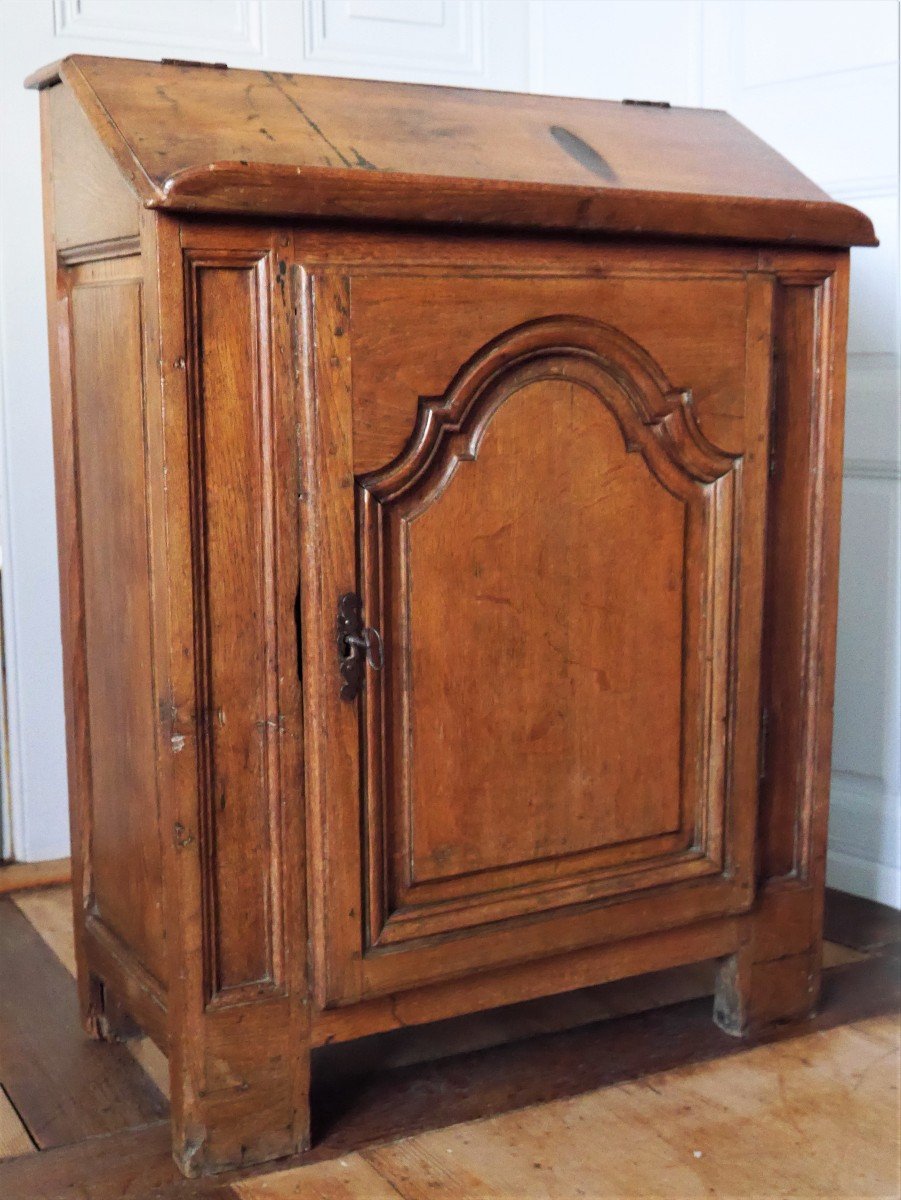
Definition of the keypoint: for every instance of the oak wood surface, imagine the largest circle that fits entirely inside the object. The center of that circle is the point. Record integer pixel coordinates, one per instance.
(387, 574)
(105, 307)
(93, 203)
(734, 1129)
(408, 152)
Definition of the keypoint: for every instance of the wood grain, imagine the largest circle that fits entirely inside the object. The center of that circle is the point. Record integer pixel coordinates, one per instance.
(349, 1178)
(407, 152)
(730, 1128)
(94, 204)
(109, 418)
(235, 576)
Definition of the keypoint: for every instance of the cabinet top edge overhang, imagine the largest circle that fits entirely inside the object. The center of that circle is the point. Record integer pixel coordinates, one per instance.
(210, 139)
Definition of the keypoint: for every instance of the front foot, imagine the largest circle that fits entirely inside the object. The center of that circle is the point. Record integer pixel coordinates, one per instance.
(752, 997)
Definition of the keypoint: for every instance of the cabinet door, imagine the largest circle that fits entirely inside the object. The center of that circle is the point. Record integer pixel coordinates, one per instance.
(564, 571)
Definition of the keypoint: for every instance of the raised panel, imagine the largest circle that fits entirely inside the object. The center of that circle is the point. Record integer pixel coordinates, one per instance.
(125, 888)
(235, 582)
(551, 565)
(533, 626)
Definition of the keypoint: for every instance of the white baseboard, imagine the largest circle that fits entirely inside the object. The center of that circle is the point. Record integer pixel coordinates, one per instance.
(873, 881)
(865, 839)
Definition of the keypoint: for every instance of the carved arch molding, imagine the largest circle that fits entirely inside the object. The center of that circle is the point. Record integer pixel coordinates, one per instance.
(416, 890)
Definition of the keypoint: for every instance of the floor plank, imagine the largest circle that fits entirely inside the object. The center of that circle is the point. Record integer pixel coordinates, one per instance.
(858, 923)
(50, 911)
(64, 1087)
(127, 1165)
(350, 1178)
(836, 955)
(14, 1139)
(818, 1114)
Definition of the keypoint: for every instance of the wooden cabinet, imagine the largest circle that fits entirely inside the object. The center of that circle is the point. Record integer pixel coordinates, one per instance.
(448, 551)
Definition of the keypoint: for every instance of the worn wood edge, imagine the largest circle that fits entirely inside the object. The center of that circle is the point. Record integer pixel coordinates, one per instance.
(22, 877)
(90, 252)
(581, 968)
(44, 77)
(133, 986)
(285, 191)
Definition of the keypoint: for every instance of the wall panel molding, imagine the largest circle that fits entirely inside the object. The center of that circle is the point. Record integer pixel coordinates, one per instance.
(872, 468)
(423, 35)
(207, 26)
(864, 838)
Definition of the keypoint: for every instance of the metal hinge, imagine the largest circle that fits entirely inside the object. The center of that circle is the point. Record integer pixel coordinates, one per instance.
(763, 743)
(188, 62)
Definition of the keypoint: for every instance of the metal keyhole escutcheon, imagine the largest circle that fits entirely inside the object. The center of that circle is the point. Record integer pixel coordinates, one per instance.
(358, 644)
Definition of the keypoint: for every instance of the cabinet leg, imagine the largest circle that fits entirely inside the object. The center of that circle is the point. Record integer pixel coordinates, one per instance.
(114, 1023)
(752, 996)
(91, 1004)
(254, 1106)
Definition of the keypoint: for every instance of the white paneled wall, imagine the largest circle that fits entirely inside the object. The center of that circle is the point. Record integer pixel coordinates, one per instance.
(819, 81)
(816, 78)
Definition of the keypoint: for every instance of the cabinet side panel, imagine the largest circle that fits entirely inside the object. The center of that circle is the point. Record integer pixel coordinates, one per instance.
(92, 202)
(109, 427)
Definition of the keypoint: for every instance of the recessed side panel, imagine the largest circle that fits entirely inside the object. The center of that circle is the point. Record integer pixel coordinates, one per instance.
(94, 207)
(125, 889)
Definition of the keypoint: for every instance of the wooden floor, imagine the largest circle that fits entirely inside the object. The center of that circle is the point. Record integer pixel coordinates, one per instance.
(627, 1090)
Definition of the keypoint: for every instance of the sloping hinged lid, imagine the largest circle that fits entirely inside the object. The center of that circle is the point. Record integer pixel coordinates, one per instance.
(215, 140)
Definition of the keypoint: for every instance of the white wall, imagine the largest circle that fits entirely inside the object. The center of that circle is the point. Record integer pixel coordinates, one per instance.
(819, 81)
(816, 78)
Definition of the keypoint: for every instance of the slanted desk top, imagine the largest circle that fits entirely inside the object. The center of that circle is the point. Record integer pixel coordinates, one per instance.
(214, 139)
